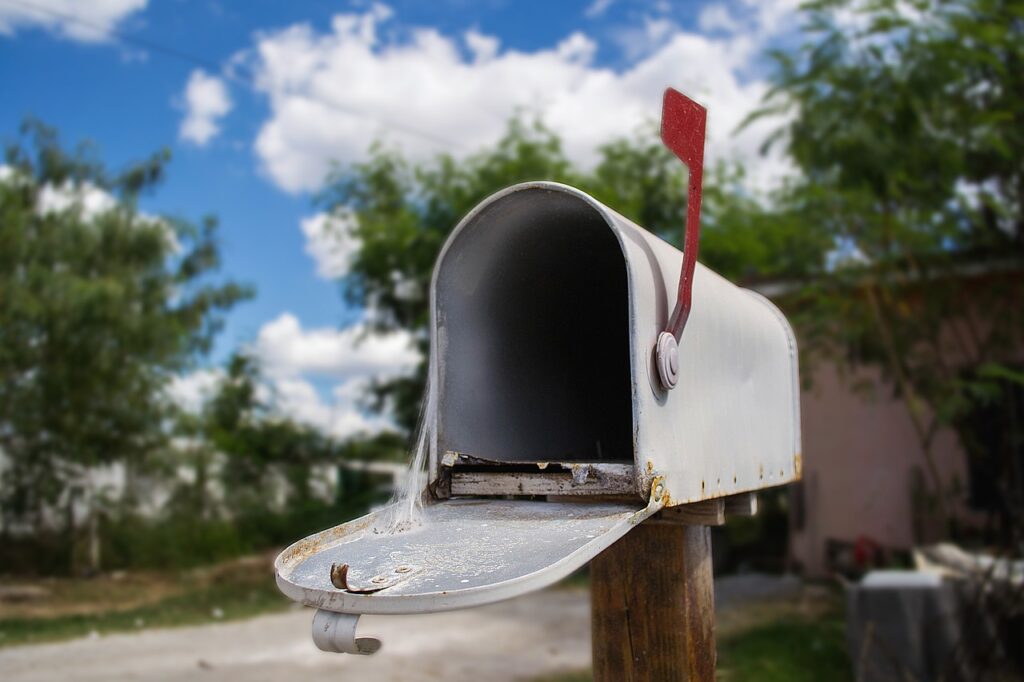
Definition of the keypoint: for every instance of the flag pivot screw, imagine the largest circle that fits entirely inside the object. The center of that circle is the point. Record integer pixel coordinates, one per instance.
(667, 359)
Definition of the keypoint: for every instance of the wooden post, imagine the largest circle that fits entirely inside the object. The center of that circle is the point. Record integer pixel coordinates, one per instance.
(653, 601)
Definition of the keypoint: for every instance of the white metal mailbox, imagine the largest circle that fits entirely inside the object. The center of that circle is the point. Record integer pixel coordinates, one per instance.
(554, 429)
(547, 306)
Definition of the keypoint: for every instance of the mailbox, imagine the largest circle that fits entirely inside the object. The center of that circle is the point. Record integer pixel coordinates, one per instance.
(568, 405)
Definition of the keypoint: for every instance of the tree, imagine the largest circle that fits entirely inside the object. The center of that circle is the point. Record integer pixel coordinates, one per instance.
(400, 214)
(264, 465)
(99, 306)
(908, 129)
(260, 448)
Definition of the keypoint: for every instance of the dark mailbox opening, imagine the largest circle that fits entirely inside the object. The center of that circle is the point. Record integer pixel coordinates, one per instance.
(532, 309)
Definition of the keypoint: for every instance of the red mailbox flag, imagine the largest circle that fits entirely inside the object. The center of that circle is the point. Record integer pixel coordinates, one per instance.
(683, 126)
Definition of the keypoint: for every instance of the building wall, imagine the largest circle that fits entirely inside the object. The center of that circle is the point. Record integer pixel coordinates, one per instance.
(859, 455)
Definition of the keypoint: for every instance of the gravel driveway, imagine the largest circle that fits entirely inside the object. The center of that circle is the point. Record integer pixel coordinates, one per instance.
(519, 639)
(537, 634)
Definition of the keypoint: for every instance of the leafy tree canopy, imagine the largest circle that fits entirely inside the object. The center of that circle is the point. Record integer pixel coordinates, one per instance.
(264, 462)
(99, 306)
(401, 213)
(907, 124)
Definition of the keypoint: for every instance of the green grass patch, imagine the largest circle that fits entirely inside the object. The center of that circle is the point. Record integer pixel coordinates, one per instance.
(789, 648)
(218, 602)
(576, 676)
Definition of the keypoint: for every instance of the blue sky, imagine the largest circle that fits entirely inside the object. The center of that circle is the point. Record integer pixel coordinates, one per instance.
(274, 92)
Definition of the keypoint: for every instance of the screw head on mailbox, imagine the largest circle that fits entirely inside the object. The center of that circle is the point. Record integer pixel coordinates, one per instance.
(562, 373)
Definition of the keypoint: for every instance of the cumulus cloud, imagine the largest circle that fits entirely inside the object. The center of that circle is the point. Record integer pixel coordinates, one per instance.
(315, 376)
(647, 37)
(330, 242)
(483, 47)
(86, 197)
(89, 201)
(297, 360)
(87, 22)
(340, 416)
(206, 102)
(287, 350)
(191, 391)
(331, 93)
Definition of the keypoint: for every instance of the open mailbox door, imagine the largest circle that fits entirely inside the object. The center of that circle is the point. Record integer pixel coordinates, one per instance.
(571, 405)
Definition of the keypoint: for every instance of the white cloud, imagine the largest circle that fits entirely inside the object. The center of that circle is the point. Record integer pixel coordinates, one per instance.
(190, 391)
(330, 242)
(294, 359)
(332, 93)
(646, 38)
(597, 8)
(87, 22)
(89, 201)
(341, 416)
(716, 17)
(286, 349)
(766, 18)
(483, 47)
(69, 195)
(206, 102)
(86, 197)
(298, 362)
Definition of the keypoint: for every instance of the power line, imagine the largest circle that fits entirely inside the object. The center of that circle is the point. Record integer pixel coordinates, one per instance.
(212, 65)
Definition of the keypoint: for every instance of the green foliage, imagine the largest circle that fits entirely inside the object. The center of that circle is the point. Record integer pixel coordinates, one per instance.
(239, 594)
(97, 310)
(403, 213)
(908, 128)
(791, 648)
(259, 448)
(253, 476)
(175, 541)
(182, 539)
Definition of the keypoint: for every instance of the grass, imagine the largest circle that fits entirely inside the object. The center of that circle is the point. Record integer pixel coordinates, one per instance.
(575, 676)
(80, 608)
(791, 649)
(774, 642)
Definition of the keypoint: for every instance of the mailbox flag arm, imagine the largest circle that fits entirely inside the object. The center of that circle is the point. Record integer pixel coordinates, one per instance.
(683, 128)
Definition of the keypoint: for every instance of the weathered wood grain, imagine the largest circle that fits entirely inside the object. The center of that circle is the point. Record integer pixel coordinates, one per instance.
(706, 513)
(653, 616)
(744, 504)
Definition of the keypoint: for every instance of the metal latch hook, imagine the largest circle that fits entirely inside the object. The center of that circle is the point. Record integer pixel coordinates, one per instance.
(336, 633)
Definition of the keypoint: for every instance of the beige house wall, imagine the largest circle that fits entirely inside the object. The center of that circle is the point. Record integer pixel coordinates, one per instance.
(859, 455)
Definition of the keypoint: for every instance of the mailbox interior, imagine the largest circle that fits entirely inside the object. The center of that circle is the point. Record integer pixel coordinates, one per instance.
(531, 313)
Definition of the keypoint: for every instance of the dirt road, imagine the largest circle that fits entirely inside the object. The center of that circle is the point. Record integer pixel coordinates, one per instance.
(541, 633)
(519, 639)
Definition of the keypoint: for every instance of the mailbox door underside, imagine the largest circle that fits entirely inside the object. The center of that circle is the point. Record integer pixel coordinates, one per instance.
(464, 552)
